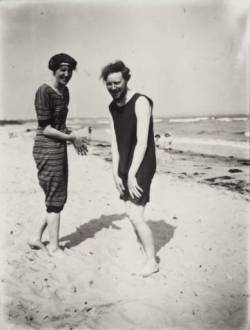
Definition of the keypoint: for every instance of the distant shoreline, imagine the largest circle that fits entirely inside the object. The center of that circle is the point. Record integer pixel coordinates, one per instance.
(14, 122)
(157, 118)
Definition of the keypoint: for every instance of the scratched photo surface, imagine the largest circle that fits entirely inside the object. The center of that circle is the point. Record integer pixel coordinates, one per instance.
(192, 59)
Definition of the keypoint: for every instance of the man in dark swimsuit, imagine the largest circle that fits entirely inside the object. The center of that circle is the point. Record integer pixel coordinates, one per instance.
(133, 153)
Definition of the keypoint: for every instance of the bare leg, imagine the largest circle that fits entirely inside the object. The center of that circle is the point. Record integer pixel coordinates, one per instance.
(53, 220)
(36, 242)
(128, 208)
(136, 215)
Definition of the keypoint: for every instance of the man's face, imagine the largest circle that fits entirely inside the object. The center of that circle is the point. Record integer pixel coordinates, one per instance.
(116, 85)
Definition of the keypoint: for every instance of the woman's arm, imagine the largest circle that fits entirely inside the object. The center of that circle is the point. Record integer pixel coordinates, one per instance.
(44, 117)
(43, 110)
(53, 133)
(79, 142)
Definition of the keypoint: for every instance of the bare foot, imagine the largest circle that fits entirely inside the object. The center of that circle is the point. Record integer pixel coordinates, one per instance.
(142, 249)
(56, 252)
(150, 268)
(64, 245)
(36, 245)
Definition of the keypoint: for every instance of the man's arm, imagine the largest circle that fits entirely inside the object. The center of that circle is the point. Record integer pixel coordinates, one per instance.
(115, 159)
(143, 114)
(114, 148)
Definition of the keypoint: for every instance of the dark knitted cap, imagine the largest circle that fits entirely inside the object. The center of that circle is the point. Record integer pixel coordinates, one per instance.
(58, 59)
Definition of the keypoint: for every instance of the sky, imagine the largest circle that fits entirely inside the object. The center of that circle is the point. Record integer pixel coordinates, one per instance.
(190, 57)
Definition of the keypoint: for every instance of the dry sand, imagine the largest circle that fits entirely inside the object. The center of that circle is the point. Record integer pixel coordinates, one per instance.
(201, 241)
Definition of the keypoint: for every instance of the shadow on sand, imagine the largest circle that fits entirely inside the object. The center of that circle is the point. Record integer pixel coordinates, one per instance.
(162, 231)
(89, 229)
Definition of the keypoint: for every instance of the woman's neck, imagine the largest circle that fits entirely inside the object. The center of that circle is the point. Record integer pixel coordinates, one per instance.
(58, 87)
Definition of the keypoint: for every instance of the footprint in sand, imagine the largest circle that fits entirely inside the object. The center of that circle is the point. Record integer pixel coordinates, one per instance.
(234, 170)
(135, 312)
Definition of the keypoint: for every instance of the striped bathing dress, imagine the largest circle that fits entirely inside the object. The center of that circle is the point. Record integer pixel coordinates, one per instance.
(125, 125)
(50, 154)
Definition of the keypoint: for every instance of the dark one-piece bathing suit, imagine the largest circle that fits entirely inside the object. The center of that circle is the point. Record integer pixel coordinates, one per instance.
(125, 125)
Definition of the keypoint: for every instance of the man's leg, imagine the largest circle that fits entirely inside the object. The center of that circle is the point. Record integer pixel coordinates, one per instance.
(136, 216)
(127, 209)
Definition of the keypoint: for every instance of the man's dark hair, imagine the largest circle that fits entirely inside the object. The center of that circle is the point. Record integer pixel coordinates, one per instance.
(117, 66)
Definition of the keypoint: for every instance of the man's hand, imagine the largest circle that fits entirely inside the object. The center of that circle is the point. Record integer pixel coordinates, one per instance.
(134, 189)
(119, 184)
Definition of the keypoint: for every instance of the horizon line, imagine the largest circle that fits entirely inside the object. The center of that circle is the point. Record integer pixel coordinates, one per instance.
(155, 117)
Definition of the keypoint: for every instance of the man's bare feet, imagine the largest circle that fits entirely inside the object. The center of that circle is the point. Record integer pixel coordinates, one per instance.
(56, 252)
(36, 245)
(150, 268)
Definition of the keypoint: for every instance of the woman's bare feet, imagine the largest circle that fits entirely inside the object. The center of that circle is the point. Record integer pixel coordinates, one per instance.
(150, 268)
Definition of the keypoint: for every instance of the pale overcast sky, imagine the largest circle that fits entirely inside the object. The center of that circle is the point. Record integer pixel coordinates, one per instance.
(189, 56)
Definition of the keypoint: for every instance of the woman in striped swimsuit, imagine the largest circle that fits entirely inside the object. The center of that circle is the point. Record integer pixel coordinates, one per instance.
(50, 148)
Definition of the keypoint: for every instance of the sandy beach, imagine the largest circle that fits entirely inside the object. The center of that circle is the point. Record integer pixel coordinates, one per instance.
(191, 58)
(200, 231)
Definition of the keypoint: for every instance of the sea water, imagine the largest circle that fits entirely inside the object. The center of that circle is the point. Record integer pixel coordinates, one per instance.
(225, 136)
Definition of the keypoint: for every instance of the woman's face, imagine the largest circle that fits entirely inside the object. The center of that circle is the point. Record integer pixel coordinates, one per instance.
(63, 74)
(116, 85)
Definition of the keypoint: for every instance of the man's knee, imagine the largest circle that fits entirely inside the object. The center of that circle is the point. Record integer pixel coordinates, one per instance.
(135, 220)
(136, 215)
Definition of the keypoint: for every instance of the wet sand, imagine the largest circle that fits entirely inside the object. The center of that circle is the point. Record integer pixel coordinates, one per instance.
(220, 172)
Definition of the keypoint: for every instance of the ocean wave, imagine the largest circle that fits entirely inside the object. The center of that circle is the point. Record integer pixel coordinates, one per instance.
(187, 120)
(230, 119)
(108, 130)
(103, 121)
(213, 142)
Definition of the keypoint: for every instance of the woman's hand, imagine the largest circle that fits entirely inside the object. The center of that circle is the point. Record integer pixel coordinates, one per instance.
(134, 189)
(80, 144)
(119, 184)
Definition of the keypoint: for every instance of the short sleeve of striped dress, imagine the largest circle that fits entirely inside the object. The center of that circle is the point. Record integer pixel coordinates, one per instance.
(42, 106)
